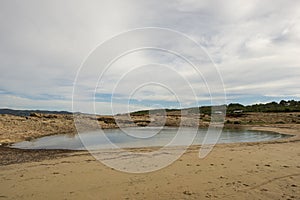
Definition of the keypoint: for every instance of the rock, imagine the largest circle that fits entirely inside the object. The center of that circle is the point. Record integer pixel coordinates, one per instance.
(35, 115)
(187, 193)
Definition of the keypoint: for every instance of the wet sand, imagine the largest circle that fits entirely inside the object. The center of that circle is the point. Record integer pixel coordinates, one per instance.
(266, 170)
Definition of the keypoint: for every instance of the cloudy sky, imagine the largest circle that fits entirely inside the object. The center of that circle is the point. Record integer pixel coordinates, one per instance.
(253, 45)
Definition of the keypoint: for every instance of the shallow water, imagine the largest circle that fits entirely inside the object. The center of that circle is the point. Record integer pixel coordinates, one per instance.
(144, 137)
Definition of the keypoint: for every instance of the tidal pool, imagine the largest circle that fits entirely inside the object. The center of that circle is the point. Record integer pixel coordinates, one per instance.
(142, 137)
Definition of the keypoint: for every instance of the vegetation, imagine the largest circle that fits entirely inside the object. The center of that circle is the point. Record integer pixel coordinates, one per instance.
(238, 109)
(157, 111)
(282, 106)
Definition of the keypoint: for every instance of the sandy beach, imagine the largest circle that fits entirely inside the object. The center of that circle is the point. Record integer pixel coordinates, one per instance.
(263, 170)
(149, 100)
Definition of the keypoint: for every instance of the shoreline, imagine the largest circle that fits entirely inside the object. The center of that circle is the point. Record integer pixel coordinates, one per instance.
(10, 155)
(19, 128)
(292, 137)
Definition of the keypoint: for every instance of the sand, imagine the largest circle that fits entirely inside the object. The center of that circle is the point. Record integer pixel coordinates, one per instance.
(265, 170)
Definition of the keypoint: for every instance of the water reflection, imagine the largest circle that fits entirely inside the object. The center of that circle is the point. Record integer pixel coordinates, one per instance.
(140, 137)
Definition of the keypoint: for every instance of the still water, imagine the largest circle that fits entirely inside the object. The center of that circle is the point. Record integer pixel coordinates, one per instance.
(142, 137)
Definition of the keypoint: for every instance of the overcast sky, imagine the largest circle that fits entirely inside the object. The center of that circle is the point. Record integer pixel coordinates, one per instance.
(255, 45)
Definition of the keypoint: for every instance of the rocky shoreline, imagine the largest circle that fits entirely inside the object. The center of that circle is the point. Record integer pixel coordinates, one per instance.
(19, 128)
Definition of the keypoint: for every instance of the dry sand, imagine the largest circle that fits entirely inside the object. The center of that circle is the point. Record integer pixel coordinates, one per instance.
(266, 170)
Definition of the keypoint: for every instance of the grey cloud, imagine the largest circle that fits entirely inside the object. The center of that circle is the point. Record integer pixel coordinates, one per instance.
(42, 43)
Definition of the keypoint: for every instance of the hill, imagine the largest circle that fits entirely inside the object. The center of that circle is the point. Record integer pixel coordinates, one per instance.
(25, 113)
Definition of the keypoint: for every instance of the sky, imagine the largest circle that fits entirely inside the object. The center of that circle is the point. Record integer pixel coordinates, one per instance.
(249, 53)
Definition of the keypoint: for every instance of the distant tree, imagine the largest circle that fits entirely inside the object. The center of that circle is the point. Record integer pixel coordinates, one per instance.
(283, 102)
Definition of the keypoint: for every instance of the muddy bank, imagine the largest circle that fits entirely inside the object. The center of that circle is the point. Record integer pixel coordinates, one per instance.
(10, 156)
